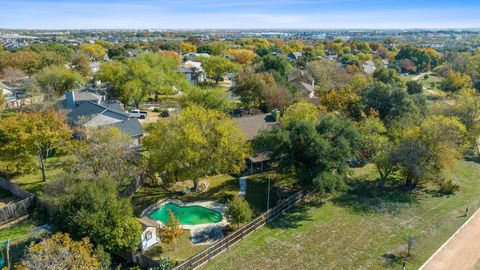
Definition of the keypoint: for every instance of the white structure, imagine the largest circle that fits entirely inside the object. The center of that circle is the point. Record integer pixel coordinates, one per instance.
(149, 233)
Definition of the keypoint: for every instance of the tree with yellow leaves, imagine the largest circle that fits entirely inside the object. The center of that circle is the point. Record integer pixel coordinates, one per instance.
(60, 252)
(171, 230)
(30, 137)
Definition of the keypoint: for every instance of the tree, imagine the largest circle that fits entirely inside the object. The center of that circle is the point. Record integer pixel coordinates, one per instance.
(27, 61)
(300, 111)
(466, 107)
(93, 208)
(392, 102)
(60, 252)
(27, 137)
(455, 81)
(12, 75)
(344, 100)
(243, 57)
(81, 63)
(93, 50)
(309, 149)
(138, 78)
(251, 85)
(276, 97)
(108, 152)
(3, 100)
(328, 74)
(425, 150)
(217, 67)
(407, 65)
(388, 76)
(210, 98)
(280, 65)
(58, 79)
(238, 211)
(414, 87)
(199, 142)
(171, 230)
(188, 47)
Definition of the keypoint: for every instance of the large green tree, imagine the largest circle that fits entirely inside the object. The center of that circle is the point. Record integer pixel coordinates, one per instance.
(197, 143)
(93, 208)
(217, 67)
(309, 149)
(58, 79)
(140, 77)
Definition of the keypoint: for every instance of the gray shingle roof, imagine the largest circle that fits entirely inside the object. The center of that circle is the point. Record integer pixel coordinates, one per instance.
(252, 125)
(96, 115)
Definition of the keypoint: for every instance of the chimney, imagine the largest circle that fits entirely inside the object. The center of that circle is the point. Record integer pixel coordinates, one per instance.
(70, 100)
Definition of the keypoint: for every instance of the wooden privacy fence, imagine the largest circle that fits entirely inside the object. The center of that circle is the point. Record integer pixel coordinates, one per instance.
(22, 194)
(16, 210)
(137, 183)
(223, 244)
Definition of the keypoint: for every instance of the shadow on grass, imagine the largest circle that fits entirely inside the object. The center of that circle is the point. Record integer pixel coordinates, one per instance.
(367, 196)
(292, 219)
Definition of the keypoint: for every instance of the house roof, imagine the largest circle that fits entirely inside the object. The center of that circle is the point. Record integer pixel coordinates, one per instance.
(90, 114)
(252, 125)
(307, 87)
(84, 94)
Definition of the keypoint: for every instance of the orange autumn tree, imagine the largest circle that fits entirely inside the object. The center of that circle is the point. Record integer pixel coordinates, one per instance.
(171, 230)
(27, 139)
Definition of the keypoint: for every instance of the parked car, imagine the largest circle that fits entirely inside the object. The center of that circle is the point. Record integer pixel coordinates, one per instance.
(165, 113)
(137, 114)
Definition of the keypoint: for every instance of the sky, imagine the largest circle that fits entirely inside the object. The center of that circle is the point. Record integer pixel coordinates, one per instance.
(259, 14)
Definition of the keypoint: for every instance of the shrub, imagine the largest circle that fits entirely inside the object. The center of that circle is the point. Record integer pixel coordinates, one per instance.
(238, 211)
(165, 264)
(327, 182)
(448, 187)
(157, 109)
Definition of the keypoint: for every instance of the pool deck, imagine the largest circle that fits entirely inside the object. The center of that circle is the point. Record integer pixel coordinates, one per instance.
(202, 234)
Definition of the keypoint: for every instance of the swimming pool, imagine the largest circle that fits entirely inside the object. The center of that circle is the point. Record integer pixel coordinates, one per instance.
(188, 215)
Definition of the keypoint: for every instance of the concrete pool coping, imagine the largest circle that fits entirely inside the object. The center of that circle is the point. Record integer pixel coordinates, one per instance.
(197, 231)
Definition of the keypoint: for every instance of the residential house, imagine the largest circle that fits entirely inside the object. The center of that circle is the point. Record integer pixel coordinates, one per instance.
(369, 67)
(308, 89)
(6, 91)
(74, 98)
(193, 55)
(295, 56)
(88, 112)
(194, 72)
(252, 126)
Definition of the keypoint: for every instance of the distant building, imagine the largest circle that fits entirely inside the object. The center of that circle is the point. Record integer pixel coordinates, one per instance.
(308, 89)
(369, 67)
(295, 56)
(193, 72)
(73, 99)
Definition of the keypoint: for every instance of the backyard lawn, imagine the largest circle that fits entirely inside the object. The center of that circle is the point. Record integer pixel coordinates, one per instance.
(362, 229)
(33, 182)
(221, 189)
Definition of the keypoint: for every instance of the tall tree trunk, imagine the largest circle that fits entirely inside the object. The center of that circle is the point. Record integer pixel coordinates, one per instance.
(43, 168)
(195, 184)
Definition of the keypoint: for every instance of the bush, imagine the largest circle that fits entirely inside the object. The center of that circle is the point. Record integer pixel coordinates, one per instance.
(157, 109)
(327, 182)
(165, 264)
(448, 187)
(238, 211)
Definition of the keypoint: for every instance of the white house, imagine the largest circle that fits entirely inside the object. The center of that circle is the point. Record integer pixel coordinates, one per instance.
(194, 72)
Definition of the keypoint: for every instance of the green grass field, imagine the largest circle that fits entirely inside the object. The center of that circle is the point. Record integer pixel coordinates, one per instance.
(33, 182)
(362, 229)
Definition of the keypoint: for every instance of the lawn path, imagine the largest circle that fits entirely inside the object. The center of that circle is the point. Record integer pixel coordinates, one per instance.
(461, 251)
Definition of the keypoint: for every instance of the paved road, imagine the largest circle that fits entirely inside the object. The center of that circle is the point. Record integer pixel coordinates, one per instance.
(461, 251)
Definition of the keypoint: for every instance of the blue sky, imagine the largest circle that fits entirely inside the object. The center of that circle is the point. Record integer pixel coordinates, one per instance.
(101, 14)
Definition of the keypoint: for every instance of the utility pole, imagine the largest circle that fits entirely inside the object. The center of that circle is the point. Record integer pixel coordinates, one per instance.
(268, 193)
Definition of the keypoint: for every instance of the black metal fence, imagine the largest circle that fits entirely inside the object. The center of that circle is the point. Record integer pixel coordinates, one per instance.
(233, 238)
